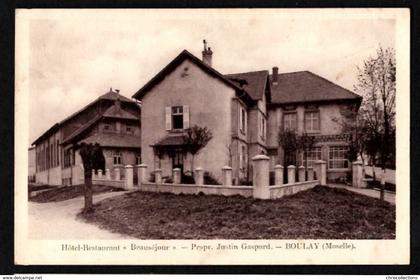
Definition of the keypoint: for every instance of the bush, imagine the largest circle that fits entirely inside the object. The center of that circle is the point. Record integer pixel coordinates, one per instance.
(272, 178)
(209, 179)
(187, 179)
(152, 178)
(168, 180)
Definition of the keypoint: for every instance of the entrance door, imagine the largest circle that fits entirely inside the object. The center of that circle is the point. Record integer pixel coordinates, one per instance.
(178, 161)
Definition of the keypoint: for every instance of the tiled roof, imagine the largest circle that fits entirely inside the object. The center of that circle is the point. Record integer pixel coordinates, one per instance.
(82, 129)
(177, 61)
(253, 82)
(118, 113)
(110, 95)
(305, 86)
(114, 140)
(176, 140)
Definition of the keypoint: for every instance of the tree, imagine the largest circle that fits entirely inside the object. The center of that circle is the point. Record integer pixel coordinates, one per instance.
(353, 125)
(305, 144)
(293, 143)
(288, 140)
(377, 84)
(195, 139)
(92, 158)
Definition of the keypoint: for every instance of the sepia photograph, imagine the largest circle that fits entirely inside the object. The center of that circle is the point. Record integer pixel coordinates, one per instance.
(239, 128)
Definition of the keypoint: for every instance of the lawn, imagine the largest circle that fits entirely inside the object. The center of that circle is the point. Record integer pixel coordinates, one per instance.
(319, 213)
(61, 193)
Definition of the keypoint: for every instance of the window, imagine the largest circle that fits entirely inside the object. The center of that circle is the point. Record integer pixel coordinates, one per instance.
(313, 155)
(262, 127)
(338, 157)
(242, 158)
(138, 159)
(177, 117)
(243, 120)
(109, 126)
(289, 121)
(129, 129)
(117, 158)
(67, 158)
(261, 121)
(57, 153)
(312, 121)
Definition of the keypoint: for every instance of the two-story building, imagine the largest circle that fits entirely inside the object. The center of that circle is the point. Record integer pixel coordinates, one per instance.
(245, 112)
(112, 121)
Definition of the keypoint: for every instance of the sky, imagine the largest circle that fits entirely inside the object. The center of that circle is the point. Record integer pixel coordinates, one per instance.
(77, 55)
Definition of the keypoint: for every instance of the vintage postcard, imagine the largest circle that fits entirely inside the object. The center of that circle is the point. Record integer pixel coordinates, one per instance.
(212, 136)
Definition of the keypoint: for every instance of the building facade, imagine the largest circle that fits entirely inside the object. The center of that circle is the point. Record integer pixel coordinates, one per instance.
(246, 112)
(112, 121)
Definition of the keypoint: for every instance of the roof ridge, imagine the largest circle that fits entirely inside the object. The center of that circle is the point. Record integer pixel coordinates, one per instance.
(316, 75)
(249, 72)
(173, 64)
(293, 72)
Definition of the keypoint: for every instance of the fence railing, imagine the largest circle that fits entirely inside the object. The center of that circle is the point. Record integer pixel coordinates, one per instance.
(306, 179)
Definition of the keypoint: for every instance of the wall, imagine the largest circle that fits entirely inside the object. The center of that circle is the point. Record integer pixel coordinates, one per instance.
(50, 175)
(330, 119)
(209, 102)
(289, 189)
(31, 162)
(245, 191)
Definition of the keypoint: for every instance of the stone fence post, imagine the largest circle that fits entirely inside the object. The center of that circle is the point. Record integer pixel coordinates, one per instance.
(310, 174)
(93, 174)
(128, 180)
(107, 174)
(158, 176)
(176, 173)
(301, 173)
(100, 174)
(278, 175)
(141, 174)
(261, 176)
(291, 174)
(117, 172)
(227, 176)
(321, 171)
(199, 176)
(357, 177)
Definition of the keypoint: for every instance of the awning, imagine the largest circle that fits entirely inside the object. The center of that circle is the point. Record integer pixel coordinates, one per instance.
(169, 141)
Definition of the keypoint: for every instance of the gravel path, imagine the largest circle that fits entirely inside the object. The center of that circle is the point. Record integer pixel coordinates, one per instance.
(57, 220)
(389, 174)
(389, 196)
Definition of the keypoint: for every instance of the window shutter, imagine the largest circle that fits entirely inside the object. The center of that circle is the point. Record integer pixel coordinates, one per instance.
(168, 121)
(246, 121)
(240, 117)
(241, 157)
(186, 116)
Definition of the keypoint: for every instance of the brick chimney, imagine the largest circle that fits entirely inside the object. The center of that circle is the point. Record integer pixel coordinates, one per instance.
(275, 75)
(207, 54)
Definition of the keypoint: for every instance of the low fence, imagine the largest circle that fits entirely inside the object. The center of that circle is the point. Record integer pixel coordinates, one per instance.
(260, 189)
(245, 191)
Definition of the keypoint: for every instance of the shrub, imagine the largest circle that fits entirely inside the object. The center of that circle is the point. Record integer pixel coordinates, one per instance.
(245, 182)
(187, 179)
(209, 179)
(152, 178)
(168, 180)
(272, 178)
